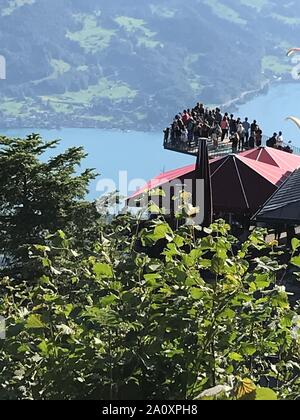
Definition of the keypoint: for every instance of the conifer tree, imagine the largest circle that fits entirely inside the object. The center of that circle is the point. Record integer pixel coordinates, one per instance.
(40, 196)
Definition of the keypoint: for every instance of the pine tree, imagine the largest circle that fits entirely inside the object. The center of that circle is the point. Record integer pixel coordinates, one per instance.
(39, 196)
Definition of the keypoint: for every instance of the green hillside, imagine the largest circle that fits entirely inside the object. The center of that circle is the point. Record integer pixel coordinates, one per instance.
(132, 65)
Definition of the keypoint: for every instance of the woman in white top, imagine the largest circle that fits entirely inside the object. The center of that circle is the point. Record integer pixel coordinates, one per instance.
(241, 133)
(279, 140)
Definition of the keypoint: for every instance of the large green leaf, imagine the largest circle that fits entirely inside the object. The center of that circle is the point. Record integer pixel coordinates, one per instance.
(295, 244)
(248, 349)
(162, 231)
(35, 321)
(262, 281)
(196, 293)
(265, 394)
(103, 270)
(236, 357)
(296, 261)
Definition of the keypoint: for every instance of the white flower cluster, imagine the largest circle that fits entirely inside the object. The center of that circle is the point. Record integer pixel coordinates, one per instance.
(280, 289)
(296, 327)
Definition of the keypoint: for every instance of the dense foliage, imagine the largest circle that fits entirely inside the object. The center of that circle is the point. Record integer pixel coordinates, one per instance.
(133, 309)
(119, 324)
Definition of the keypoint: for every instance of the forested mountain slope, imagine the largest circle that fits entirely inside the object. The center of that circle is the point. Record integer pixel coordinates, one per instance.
(134, 63)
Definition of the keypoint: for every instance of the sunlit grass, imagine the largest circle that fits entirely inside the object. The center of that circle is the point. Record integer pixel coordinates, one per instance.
(61, 108)
(255, 4)
(225, 12)
(144, 36)
(287, 20)
(69, 102)
(163, 11)
(192, 77)
(131, 24)
(10, 106)
(146, 42)
(15, 4)
(91, 37)
(114, 91)
(82, 68)
(59, 67)
(274, 64)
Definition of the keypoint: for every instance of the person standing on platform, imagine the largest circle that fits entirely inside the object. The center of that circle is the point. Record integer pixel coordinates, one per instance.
(279, 140)
(241, 133)
(246, 126)
(191, 128)
(185, 117)
(218, 116)
(272, 141)
(224, 128)
(232, 125)
(258, 137)
(251, 143)
(234, 138)
(253, 128)
(216, 134)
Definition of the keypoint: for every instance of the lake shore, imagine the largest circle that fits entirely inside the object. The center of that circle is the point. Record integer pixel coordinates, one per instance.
(246, 96)
(231, 106)
(234, 104)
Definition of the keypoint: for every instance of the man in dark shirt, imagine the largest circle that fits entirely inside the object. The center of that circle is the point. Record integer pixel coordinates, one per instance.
(251, 142)
(246, 126)
(232, 125)
(166, 134)
(205, 131)
(210, 119)
(201, 109)
(253, 128)
(234, 138)
(272, 141)
(218, 116)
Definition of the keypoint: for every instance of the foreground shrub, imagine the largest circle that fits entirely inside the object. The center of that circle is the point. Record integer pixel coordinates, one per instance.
(205, 318)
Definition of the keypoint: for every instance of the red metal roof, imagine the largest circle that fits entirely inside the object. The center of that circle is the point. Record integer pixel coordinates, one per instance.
(273, 174)
(164, 178)
(273, 165)
(274, 157)
(240, 183)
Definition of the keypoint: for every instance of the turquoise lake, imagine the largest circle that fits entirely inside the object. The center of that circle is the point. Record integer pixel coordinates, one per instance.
(272, 109)
(142, 156)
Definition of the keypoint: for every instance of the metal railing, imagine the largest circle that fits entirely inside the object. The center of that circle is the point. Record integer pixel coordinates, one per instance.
(295, 149)
(191, 148)
(223, 149)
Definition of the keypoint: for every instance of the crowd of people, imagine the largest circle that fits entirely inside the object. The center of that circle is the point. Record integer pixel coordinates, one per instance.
(200, 122)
